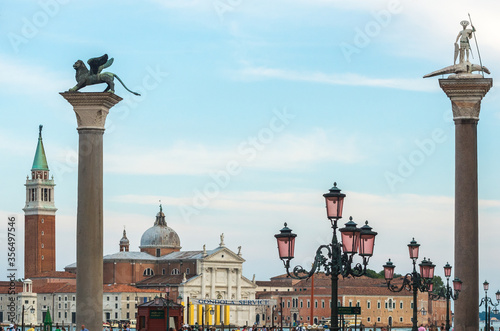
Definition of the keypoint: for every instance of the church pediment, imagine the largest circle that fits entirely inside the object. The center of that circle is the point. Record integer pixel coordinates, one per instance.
(224, 255)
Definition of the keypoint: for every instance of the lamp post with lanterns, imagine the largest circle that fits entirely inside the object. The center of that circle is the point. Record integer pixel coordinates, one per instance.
(337, 257)
(485, 300)
(447, 293)
(413, 281)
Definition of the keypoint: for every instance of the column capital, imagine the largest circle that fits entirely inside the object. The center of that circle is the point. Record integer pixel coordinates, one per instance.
(91, 108)
(465, 95)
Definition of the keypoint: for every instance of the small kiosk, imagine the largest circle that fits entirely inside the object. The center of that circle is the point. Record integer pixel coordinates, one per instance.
(153, 315)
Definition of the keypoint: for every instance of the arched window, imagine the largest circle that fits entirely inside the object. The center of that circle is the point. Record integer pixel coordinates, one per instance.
(175, 271)
(148, 272)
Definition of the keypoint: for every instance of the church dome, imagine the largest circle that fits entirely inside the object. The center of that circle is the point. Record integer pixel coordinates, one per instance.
(160, 235)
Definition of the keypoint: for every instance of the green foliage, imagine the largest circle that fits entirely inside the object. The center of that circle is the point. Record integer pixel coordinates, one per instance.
(373, 274)
(438, 284)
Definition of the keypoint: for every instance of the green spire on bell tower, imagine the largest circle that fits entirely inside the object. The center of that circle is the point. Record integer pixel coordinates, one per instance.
(40, 161)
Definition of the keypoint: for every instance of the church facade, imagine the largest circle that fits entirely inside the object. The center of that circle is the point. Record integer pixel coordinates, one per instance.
(159, 267)
(160, 264)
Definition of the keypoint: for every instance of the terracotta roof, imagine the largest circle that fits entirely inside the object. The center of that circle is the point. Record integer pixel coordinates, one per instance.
(162, 280)
(116, 288)
(71, 288)
(5, 285)
(54, 274)
(347, 286)
(54, 288)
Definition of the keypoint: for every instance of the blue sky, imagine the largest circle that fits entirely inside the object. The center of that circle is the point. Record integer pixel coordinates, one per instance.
(249, 111)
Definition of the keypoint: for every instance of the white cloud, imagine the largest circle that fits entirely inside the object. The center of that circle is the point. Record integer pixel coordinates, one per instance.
(18, 77)
(282, 152)
(347, 79)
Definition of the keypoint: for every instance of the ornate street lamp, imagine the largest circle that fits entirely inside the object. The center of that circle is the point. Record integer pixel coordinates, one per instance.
(338, 257)
(447, 293)
(413, 281)
(485, 300)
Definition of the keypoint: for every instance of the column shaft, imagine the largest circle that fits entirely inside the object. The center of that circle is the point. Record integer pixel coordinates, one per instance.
(465, 95)
(91, 110)
(89, 251)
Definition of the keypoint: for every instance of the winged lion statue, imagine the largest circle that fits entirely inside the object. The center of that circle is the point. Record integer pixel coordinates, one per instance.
(85, 77)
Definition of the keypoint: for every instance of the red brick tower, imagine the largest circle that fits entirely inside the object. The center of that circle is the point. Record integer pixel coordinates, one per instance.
(39, 217)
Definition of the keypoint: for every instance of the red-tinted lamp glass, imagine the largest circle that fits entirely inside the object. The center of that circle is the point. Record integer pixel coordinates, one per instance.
(413, 249)
(366, 240)
(350, 237)
(389, 270)
(457, 285)
(334, 202)
(447, 270)
(286, 243)
(427, 269)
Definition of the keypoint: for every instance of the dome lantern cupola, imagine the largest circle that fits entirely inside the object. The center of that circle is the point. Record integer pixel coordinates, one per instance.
(124, 242)
(160, 239)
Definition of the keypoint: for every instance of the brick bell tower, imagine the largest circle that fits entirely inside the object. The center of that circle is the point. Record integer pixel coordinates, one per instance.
(39, 217)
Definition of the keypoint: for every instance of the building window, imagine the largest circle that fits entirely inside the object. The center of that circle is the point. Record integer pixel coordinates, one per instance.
(128, 298)
(116, 306)
(148, 272)
(301, 303)
(60, 298)
(158, 252)
(116, 298)
(42, 233)
(358, 304)
(107, 298)
(368, 319)
(128, 305)
(128, 315)
(59, 306)
(308, 304)
(65, 298)
(400, 304)
(116, 315)
(175, 271)
(187, 271)
(368, 304)
(350, 303)
(378, 319)
(378, 305)
(44, 298)
(401, 319)
(322, 303)
(163, 271)
(65, 306)
(43, 220)
(411, 305)
(74, 298)
(65, 314)
(386, 305)
(59, 314)
(394, 305)
(42, 257)
(288, 303)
